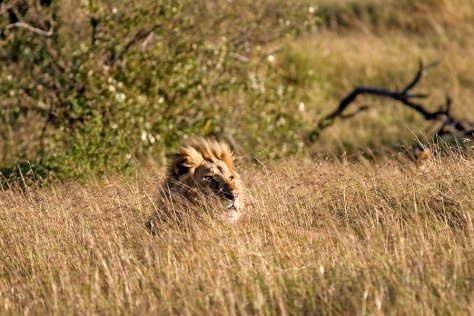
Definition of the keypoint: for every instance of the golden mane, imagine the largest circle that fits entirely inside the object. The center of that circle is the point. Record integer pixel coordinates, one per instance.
(197, 149)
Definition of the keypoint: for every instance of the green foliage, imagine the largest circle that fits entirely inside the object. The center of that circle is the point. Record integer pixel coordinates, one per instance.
(91, 87)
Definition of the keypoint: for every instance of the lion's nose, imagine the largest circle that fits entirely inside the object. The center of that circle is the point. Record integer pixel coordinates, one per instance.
(231, 195)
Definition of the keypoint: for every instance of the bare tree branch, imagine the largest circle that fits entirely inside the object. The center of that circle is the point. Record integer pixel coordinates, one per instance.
(30, 28)
(362, 108)
(450, 125)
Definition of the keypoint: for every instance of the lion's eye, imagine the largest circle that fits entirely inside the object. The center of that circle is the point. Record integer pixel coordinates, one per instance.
(212, 181)
(209, 178)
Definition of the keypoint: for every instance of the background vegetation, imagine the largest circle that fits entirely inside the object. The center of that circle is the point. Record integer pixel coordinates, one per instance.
(107, 81)
(116, 80)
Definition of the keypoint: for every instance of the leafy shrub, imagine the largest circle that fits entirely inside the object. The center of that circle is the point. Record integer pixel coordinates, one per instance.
(87, 88)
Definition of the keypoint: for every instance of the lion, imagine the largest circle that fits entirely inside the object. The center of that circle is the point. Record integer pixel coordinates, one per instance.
(204, 168)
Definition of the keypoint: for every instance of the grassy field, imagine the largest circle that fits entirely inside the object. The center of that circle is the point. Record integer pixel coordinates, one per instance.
(318, 238)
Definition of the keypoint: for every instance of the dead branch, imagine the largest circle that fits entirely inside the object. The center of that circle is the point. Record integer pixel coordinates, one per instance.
(449, 124)
(30, 28)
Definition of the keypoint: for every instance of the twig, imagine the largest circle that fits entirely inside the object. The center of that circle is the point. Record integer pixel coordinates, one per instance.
(94, 22)
(30, 28)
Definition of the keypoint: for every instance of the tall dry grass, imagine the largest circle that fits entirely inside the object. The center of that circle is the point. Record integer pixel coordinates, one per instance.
(379, 43)
(320, 238)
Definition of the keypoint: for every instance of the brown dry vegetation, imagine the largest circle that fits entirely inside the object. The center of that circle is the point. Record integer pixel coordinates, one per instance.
(320, 237)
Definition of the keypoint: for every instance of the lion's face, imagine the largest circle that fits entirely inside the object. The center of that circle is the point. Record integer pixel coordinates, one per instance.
(218, 178)
(204, 167)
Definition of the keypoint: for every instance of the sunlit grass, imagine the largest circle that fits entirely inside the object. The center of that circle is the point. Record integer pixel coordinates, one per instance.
(319, 237)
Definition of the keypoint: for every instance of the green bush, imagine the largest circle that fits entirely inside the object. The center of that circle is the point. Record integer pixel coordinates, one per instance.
(85, 89)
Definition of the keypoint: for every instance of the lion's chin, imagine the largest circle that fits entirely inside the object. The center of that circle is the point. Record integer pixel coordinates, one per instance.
(233, 215)
(233, 210)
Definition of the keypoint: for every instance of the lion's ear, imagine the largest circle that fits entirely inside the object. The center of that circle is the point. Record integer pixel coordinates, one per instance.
(180, 165)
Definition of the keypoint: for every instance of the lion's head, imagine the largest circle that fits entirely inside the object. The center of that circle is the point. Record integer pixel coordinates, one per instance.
(202, 167)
